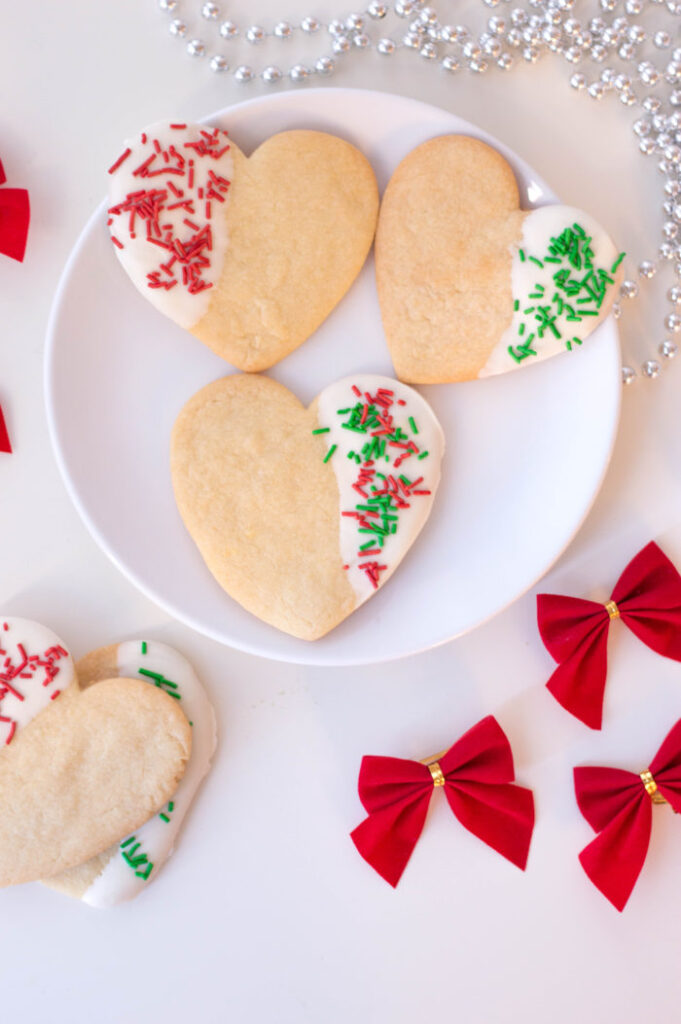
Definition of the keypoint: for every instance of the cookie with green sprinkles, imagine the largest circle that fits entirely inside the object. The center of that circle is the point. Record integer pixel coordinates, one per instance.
(483, 287)
(300, 514)
(123, 870)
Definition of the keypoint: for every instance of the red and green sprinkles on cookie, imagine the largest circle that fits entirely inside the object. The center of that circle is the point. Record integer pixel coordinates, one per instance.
(185, 260)
(578, 290)
(27, 666)
(379, 450)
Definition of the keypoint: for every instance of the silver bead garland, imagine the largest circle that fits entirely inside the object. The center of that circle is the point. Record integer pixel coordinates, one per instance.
(609, 32)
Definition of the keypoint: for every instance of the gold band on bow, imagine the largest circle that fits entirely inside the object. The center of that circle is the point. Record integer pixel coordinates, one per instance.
(612, 609)
(433, 764)
(651, 786)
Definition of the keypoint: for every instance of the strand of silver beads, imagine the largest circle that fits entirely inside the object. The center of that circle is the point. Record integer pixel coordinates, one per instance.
(621, 58)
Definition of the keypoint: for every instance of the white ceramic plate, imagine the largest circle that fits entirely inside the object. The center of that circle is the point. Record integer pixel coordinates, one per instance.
(526, 452)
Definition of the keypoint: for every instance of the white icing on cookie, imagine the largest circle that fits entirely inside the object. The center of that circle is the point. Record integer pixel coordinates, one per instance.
(555, 312)
(384, 478)
(168, 192)
(140, 857)
(35, 668)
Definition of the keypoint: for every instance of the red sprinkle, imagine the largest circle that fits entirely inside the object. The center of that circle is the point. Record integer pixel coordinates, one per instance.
(122, 157)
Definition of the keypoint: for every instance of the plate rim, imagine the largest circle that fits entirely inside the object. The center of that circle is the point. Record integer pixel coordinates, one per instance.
(306, 655)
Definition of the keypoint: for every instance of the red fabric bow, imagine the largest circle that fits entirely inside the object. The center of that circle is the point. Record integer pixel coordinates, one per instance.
(477, 773)
(575, 631)
(617, 806)
(15, 216)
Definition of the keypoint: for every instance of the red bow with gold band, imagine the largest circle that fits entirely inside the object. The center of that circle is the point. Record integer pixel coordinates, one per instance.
(619, 806)
(647, 598)
(15, 215)
(477, 776)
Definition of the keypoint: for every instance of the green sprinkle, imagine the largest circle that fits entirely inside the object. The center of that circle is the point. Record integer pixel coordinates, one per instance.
(191, 723)
(164, 817)
(521, 329)
(171, 805)
(522, 255)
(172, 694)
(147, 871)
(330, 452)
(152, 675)
(321, 430)
(144, 647)
(423, 455)
(551, 259)
(516, 306)
(413, 426)
(617, 262)
(538, 262)
(127, 842)
(341, 412)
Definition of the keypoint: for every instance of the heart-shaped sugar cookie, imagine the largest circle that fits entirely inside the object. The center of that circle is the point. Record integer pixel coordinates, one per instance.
(121, 872)
(301, 514)
(469, 284)
(250, 254)
(78, 770)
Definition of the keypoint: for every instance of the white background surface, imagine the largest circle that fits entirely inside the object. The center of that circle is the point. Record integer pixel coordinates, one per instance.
(267, 913)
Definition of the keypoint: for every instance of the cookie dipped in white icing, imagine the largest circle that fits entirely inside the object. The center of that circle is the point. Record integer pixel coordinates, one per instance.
(122, 871)
(35, 668)
(565, 276)
(385, 446)
(167, 194)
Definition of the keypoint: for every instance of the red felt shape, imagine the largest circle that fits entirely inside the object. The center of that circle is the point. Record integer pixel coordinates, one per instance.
(617, 806)
(478, 772)
(5, 445)
(15, 216)
(3, 176)
(575, 631)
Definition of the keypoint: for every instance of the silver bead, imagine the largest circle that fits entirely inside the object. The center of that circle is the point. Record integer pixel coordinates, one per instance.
(675, 98)
(299, 73)
(674, 295)
(428, 15)
(666, 251)
(616, 310)
(496, 25)
(386, 47)
(255, 34)
(668, 348)
(472, 51)
(362, 40)
(626, 51)
(429, 51)
(597, 25)
(283, 30)
(573, 54)
(633, 7)
(651, 368)
(622, 82)
(167, 5)
(210, 11)
(376, 10)
(673, 154)
(454, 33)
(628, 98)
(492, 47)
(629, 289)
(244, 73)
(450, 64)
(647, 146)
(648, 73)
(673, 323)
(505, 61)
(228, 30)
(404, 8)
(514, 37)
(325, 66)
(531, 54)
(642, 127)
(662, 40)
(628, 375)
(418, 27)
(672, 72)
(674, 7)
(271, 74)
(672, 187)
(598, 52)
(309, 25)
(578, 81)
(596, 90)
(637, 35)
(218, 63)
(412, 40)
(647, 268)
(518, 17)
(196, 48)
(608, 5)
(177, 28)
(479, 67)
(336, 28)
(608, 77)
(652, 104)
(354, 23)
(341, 44)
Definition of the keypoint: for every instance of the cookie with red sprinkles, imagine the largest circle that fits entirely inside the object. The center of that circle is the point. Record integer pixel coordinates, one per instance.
(302, 515)
(249, 254)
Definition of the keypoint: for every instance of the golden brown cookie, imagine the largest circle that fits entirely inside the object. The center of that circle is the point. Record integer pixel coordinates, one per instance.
(469, 284)
(250, 254)
(301, 514)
